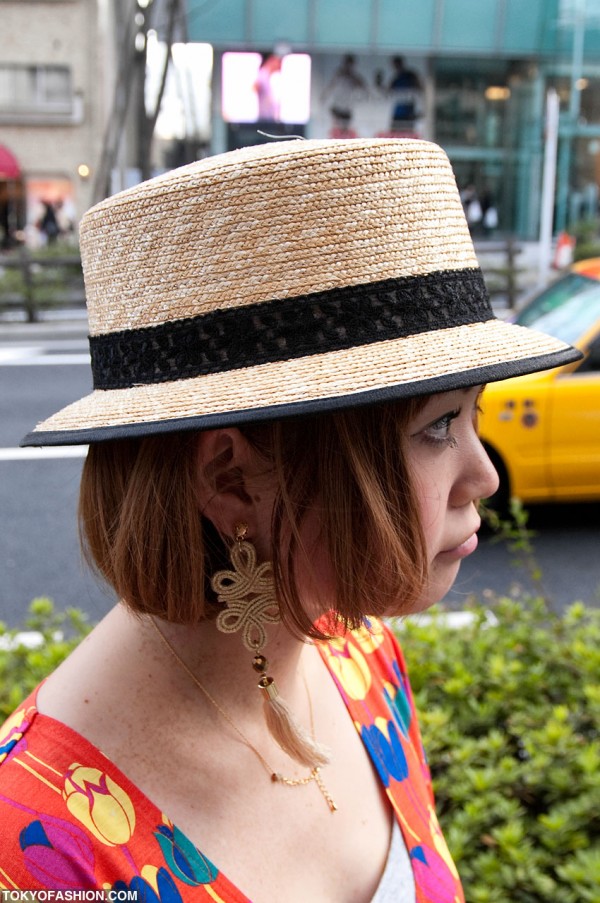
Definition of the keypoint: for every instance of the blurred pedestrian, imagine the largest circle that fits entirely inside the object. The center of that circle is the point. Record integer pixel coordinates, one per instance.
(471, 206)
(48, 224)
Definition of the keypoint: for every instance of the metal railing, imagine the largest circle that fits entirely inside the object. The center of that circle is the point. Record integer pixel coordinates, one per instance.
(32, 281)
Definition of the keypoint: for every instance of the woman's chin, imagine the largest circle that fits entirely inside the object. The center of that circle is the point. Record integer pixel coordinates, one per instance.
(436, 589)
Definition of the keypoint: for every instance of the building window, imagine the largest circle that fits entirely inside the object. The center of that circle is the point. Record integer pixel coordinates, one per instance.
(471, 105)
(35, 89)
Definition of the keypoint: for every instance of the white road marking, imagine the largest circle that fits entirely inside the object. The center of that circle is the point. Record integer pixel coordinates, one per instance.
(17, 359)
(42, 454)
(50, 352)
(16, 353)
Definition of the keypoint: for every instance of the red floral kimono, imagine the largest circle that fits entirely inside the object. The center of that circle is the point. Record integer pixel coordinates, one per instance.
(69, 819)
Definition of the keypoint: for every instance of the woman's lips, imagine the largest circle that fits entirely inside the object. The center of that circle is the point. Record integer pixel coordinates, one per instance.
(463, 550)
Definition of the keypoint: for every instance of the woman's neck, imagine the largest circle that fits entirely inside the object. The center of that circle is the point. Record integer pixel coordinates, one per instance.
(222, 664)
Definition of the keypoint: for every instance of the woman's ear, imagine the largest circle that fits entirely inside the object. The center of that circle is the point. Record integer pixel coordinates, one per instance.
(226, 464)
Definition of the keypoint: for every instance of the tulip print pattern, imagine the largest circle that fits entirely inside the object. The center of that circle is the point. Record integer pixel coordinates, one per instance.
(100, 804)
(57, 854)
(69, 818)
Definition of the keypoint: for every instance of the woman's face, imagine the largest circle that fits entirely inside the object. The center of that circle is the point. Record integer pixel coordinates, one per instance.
(451, 473)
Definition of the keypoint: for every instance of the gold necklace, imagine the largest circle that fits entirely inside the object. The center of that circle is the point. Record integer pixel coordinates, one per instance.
(276, 777)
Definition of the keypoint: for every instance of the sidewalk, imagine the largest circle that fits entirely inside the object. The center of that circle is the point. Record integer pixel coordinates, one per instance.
(53, 324)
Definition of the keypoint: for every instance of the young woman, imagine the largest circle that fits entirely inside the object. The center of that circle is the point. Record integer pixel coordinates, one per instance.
(289, 345)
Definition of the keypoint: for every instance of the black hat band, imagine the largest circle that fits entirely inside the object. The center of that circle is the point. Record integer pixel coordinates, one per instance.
(321, 322)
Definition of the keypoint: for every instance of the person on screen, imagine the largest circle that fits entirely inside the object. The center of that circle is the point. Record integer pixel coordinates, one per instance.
(268, 88)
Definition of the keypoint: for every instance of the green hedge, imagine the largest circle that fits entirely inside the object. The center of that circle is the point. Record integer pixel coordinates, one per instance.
(510, 714)
(22, 667)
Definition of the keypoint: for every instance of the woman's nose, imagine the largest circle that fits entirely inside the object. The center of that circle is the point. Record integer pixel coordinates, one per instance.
(479, 479)
(489, 475)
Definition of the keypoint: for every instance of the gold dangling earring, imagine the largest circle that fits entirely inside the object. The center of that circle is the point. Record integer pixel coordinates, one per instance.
(248, 591)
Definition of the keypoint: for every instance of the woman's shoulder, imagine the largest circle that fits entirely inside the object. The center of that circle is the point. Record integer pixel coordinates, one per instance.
(17, 725)
(53, 779)
(71, 819)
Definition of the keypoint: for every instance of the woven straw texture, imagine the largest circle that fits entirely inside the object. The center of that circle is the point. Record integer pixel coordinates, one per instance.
(283, 221)
(271, 222)
(333, 375)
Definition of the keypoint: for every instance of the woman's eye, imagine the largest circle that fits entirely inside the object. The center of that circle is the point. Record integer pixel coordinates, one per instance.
(439, 432)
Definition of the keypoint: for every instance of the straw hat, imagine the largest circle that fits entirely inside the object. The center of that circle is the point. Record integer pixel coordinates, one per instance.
(283, 279)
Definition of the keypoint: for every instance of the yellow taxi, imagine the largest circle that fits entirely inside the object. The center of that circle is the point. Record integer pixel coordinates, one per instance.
(542, 431)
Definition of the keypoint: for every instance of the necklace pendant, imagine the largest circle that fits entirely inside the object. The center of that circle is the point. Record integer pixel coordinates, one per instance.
(324, 791)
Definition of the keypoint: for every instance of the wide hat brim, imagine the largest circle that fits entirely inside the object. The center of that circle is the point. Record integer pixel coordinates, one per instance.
(359, 376)
(289, 279)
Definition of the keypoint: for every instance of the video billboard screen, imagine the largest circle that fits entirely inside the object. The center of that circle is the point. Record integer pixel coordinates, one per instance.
(265, 87)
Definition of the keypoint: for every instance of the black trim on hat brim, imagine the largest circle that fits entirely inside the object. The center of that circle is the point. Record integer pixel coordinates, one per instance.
(444, 383)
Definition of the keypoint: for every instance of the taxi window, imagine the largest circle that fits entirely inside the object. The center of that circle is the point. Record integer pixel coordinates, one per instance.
(591, 362)
(566, 309)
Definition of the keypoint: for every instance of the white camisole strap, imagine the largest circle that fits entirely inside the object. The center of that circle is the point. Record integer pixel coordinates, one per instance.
(397, 883)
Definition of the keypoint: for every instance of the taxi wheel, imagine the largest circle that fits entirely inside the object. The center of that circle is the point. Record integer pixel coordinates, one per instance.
(499, 501)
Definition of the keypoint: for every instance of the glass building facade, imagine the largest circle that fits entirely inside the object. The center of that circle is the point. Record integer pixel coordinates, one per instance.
(481, 72)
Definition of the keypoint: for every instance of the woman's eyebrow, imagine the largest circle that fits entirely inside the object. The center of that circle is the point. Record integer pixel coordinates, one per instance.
(470, 388)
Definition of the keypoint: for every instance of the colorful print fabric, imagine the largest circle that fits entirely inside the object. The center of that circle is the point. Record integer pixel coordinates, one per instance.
(69, 819)
(370, 672)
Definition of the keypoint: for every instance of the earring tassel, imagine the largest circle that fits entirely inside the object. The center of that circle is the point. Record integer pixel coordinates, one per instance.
(292, 738)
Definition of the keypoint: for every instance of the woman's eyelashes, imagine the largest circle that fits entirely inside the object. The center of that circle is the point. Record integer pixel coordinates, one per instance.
(439, 432)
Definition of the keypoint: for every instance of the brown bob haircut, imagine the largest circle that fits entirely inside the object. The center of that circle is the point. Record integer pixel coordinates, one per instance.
(141, 527)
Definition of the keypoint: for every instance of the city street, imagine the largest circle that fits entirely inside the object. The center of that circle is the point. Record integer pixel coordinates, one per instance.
(43, 368)
(39, 551)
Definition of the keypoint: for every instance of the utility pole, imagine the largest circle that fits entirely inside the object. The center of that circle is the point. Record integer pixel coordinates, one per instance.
(147, 121)
(548, 185)
(122, 91)
(568, 136)
(130, 90)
